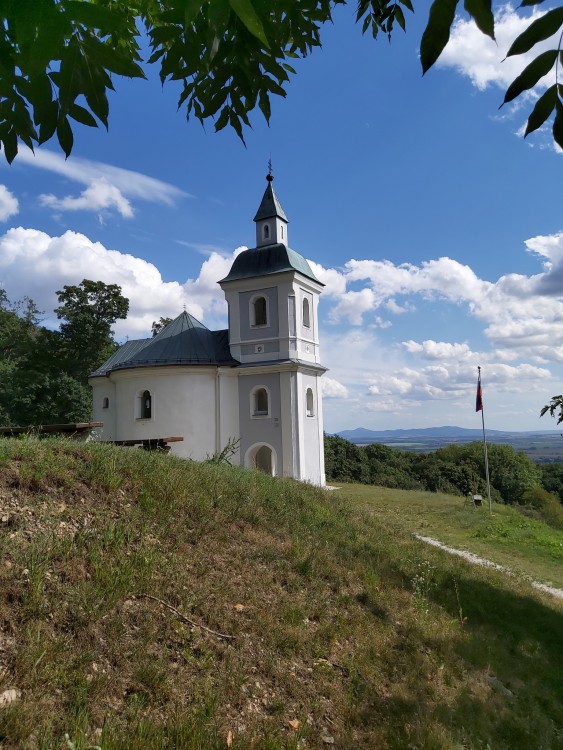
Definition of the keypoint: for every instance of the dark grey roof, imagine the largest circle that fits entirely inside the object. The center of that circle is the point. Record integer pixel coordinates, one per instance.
(184, 341)
(270, 206)
(266, 260)
(125, 352)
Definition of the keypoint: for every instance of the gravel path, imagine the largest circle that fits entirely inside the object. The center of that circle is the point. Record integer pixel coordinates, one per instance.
(487, 564)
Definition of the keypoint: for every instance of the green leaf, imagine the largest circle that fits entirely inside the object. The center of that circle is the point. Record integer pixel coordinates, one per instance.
(82, 115)
(525, 3)
(531, 74)
(64, 134)
(437, 32)
(542, 28)
(112, 59)
(247, 14)
(543, 108)
(264, 104)
(482, 14)
(222, 120)
(93, 16)
(48, 123)
(234, 122)
(407, 4)
(10, 143)
(400, 16)
(558, 127)
(192, 8)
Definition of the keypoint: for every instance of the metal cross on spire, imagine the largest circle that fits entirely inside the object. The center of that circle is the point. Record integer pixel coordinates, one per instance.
(270, 176)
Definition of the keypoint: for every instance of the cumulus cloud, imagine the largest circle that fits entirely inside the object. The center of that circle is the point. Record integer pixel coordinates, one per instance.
(9, 205)
(35, 264)
(107, 187)
(437, 349)
(482, 60)
(333, 389)
(454, 381)
(520, 318)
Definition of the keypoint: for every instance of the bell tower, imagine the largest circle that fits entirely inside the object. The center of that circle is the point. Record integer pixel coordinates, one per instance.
(273, 296)
(271, 221)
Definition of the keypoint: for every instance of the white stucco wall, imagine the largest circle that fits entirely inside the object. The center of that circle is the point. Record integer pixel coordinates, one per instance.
(311, 430)
(195, 403)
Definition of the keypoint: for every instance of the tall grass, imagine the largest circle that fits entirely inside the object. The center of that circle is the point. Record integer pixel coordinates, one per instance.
(117, 564)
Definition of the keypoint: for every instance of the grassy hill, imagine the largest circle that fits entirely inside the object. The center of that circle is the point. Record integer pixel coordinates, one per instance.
(150, 602)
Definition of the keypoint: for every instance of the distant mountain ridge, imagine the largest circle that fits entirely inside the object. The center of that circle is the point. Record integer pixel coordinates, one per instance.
(429, 432)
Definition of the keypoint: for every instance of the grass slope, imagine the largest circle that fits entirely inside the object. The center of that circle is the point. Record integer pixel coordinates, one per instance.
(345, 632)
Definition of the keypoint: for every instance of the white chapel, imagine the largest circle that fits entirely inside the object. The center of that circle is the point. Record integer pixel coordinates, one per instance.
(257, 383)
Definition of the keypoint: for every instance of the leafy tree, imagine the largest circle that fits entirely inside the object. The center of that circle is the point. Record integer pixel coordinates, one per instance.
(552, 478)
(387, 467)
(43, 373)
(455, 469)
(88, 311)
(57, 57)
(343, 460)
(159, 325)
(555, 408)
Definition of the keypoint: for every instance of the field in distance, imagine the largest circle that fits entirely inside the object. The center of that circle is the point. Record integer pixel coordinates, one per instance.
(541, 446)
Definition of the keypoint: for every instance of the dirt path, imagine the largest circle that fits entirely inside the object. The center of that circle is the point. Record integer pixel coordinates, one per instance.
(487, 564)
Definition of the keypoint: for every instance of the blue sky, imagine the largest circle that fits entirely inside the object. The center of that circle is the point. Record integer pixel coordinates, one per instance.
(436, 228)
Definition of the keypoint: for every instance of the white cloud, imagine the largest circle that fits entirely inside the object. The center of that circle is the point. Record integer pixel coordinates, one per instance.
(482, 60)
(333, 389)
(523, 325)
(107, 187)
(437, 349)
(35, 264)
(99, 195)
(9, 205)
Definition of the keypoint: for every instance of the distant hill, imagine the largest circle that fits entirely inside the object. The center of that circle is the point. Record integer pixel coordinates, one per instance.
(542, 446)
(361, 433)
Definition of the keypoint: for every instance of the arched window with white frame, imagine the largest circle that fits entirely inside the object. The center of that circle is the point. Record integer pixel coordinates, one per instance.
(266, 232)
(145, 411)
(259, 311)
(260, 402)
(306, 313)
(310, 403)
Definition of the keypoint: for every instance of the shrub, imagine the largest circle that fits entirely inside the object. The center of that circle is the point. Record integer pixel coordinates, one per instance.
(547, 505)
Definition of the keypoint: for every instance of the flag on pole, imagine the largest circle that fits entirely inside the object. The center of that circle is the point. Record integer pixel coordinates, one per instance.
(479, 399)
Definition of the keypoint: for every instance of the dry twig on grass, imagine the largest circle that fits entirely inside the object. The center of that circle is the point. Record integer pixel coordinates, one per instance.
(182, 616)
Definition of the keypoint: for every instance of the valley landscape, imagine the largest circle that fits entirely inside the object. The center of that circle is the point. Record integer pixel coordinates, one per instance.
(542, 446)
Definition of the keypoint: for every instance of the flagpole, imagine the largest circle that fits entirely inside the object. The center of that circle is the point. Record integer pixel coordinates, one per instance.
(482, 410)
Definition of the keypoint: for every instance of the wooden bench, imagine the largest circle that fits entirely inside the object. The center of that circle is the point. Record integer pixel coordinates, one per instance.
(148, 444)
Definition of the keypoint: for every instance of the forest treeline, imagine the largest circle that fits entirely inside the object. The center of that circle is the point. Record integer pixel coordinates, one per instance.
(453, 469)
(44, 372)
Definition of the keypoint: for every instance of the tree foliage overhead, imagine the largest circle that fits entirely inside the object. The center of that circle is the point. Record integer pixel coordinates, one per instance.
(58, 58)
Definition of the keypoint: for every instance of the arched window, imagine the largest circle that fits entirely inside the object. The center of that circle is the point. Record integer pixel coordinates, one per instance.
(266, 232)
(260, 311)
(310, 404)
(146, 405)
(105, 403)
(306, 313)
(260, 403)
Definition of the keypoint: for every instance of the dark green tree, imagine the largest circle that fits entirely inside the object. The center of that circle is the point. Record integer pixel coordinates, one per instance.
(34, 388)
(58, 57)
(88, 312)
(344, 461)
(159, 325)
